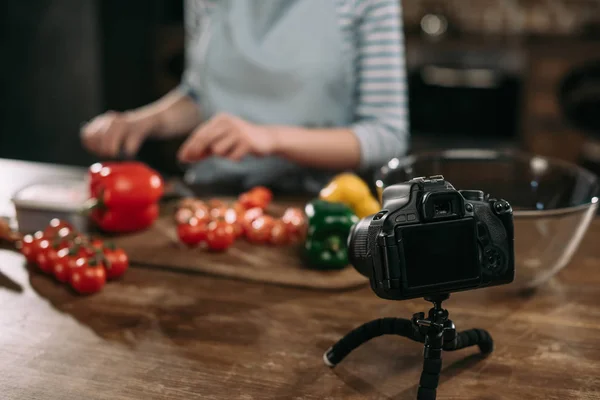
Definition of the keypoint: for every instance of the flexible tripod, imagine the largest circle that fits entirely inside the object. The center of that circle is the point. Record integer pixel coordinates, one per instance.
(436, 331)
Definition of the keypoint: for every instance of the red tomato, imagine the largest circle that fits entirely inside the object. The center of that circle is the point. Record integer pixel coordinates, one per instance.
(57, 227)
(239, 208)
(202, 213)
(218, 212)
(39, 243)
(183, 215)
(92, 247)
(260, 230)
(295, 221)
(116, 263)
(220, 236)
(28, 247)
(87, 278)
(233, 219)
(66, 262)
(262, 193)
(249, 217)
(46, 255)
(249, 200)
(279, 234)
(193, 233)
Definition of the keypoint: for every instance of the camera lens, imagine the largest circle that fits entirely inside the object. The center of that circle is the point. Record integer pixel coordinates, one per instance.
(358, 244)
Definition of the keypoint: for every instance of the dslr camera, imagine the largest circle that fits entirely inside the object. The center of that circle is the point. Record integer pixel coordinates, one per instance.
(430, 239)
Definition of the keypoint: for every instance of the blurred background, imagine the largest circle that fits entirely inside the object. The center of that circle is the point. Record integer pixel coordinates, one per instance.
(481, 73)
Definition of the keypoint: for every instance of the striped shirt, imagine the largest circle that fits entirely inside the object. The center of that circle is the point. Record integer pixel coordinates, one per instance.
(373, 34)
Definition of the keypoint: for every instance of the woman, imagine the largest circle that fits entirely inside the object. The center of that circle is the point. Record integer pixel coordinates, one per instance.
(283, 93)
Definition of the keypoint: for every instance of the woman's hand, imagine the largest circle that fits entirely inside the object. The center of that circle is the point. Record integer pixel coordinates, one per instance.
(230, 137)
(110, 132)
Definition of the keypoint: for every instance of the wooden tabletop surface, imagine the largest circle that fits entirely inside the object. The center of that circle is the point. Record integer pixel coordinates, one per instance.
(159, 334)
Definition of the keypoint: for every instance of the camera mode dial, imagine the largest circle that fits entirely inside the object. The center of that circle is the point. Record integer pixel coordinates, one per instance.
(472, 195)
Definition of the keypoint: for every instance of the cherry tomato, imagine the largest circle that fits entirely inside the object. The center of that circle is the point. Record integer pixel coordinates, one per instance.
(183, 215)
(220, 235)
(66, 262)
(262, 193)
(295, 221)
(58, 227)
(92, 247)
(249, 200)
(202, 213)
(233, 218)
(218, 212)
(238, 207)
(45, 256)
(193, 233)
(28, 247)
(88, 276)
(260, 230)
(249, 217)
(116, 263)
(38, 243)
(279, 233)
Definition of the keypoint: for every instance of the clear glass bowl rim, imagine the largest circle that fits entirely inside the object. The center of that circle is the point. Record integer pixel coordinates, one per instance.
(507, 154)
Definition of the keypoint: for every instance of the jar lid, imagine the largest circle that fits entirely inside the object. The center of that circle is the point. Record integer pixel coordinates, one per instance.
(64, 195)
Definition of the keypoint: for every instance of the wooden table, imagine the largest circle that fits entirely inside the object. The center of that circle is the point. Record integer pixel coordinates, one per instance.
(165, 335)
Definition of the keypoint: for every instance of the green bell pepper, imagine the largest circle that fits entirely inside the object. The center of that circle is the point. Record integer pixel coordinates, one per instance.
(329, 225)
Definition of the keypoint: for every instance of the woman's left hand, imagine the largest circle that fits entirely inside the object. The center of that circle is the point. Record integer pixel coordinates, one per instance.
(228, 136)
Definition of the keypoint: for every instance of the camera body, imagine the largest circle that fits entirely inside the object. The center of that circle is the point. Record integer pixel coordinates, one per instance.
(430, 238)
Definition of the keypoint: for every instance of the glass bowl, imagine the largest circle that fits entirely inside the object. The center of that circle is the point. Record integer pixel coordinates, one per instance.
(553, 201)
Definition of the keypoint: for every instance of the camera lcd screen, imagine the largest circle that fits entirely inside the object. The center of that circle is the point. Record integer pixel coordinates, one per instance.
(441, 252)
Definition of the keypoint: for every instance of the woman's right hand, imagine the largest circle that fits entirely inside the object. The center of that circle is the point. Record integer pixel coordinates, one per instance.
(112, 131)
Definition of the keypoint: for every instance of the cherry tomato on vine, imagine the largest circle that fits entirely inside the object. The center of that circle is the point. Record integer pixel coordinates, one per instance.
(183, 215)
(46, 256)
(57, 227)
(116, 262)
(192, 233)
(28, 246)
(279, 234)
(249, 217)
(260, 229)
(220, 236)
(88, 276)
(66, 262)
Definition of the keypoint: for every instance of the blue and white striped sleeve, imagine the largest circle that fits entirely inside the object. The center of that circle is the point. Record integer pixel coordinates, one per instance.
(196, 14)
(381, 114)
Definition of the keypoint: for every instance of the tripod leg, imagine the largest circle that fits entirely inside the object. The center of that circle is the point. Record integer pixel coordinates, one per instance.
(432, 368)
(366, 332)
(472, 337)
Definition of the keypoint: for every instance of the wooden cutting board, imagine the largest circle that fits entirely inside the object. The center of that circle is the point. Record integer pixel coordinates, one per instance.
(280, 265)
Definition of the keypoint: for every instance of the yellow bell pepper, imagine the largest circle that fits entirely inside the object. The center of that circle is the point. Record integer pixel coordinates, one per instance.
(368, 206)
(352, 191)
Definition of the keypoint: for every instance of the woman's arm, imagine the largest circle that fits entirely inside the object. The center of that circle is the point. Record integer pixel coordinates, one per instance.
(380, 132)
(318, 148)
(175, 114)
(172, 115)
